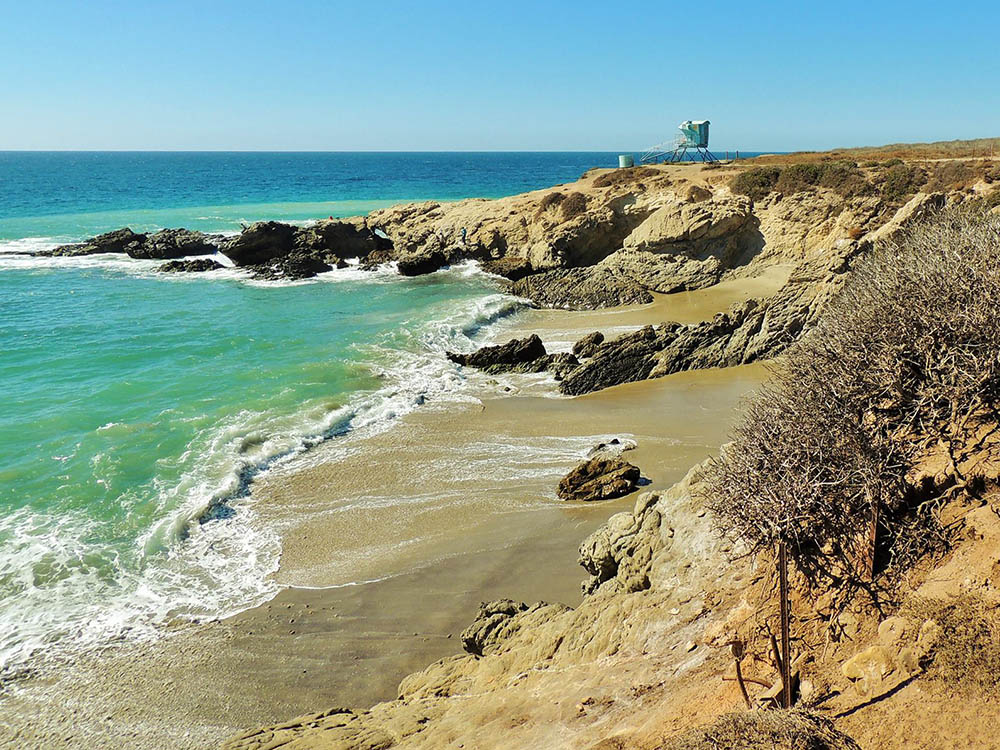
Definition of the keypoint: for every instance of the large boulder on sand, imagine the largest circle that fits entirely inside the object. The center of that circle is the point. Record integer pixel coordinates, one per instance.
(261, 242)
(168, 244)
(600, 478)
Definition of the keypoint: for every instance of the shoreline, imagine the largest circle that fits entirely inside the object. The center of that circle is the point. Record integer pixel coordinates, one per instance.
(363, 629)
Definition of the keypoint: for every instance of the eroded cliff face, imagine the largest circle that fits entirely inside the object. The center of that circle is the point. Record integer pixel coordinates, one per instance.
(649, 654)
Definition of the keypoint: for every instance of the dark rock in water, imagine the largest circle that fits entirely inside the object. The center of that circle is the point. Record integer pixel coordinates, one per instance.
(509, 355)
(342, 239)
(581, 289)
(622, 360)
(519, 356)
(511, 268)
(261, 242)
(600, 478)
(190, 266)
(377, 258)
(290, 268)
(587, 346)
(420, 264)
(119, 241)
(172, 243)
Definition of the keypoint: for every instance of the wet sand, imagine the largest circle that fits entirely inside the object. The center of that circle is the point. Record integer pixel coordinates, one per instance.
(452, 506)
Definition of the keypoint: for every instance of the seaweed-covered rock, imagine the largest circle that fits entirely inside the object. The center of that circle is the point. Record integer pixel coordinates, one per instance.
(600, 478)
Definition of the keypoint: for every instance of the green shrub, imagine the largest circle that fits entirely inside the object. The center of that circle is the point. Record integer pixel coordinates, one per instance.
(756, 182)
(844, 178)
(907, 349)
(626, 175)
(901, 181)
(798, 177)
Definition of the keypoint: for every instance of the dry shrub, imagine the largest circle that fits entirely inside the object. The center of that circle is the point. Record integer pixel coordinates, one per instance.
(574, 205)
(625, 175)
(967, 652)
(843, 177)
(906, 350)
(764, 730)
(549, 200)
(855, 233)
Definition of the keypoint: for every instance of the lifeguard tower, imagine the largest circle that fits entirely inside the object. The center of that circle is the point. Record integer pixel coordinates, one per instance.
(691, 145)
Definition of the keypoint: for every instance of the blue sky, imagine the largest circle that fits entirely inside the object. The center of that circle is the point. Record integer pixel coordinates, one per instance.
(386, 75)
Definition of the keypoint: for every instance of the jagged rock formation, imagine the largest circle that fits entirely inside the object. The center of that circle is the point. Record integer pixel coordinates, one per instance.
(518, 355)
(166, 244)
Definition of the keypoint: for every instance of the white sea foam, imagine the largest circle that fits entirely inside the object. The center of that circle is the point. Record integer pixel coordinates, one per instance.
(189, 569)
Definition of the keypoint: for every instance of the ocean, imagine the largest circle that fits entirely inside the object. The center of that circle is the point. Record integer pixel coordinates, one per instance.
(138, 407)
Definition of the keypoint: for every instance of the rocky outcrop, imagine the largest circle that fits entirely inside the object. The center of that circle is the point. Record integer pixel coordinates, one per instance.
(418, 264)
(515, 352)
(588, 345)
(518, 355)
(749, 331)
(118, 241)
(581, 289)
(168, 244)
(600, 478)
(259, 243)
(198, 265)
(622, 550)
(498, 621)
(341, 239)
(511, 268)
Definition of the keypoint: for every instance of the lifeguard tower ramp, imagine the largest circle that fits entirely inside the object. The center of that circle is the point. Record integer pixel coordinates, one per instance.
(690, 145)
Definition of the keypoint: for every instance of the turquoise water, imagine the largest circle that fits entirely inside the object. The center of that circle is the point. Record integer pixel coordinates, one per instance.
(138, 407)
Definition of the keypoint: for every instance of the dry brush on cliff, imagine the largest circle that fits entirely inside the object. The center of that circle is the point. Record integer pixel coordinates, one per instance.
(902, 369)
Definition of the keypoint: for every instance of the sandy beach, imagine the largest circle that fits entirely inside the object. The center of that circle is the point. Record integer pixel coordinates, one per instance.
(390, 544)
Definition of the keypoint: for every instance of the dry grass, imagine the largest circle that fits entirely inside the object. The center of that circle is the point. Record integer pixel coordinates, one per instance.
(903, 354)
(626, 176)
(764, 730)
(968, 149)
(967, 653)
